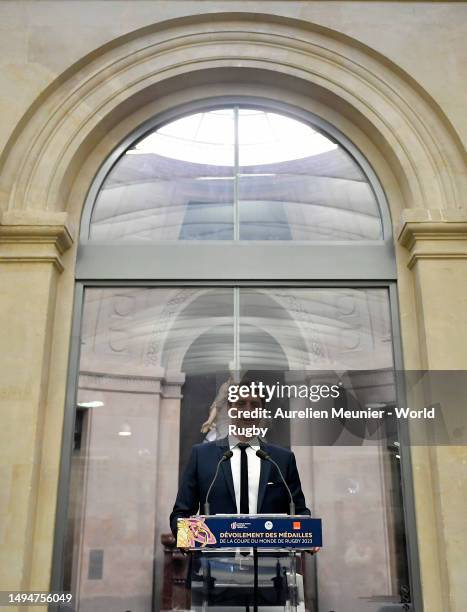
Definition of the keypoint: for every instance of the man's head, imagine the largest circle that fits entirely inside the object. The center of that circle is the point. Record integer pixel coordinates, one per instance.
(246, 411)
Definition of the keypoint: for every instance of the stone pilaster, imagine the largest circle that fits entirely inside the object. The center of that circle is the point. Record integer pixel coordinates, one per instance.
(31, 249)
(437, 243)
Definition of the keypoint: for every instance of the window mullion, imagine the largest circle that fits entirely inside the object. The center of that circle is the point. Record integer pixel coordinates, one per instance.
(236, 168)
(236, 319)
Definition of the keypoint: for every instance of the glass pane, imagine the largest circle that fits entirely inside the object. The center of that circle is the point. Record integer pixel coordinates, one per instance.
(177, 183)
(189, 178)
(148, 381)
(139, 349)
(315, 329)
(221, 581)
(355, 490)
(296, 184)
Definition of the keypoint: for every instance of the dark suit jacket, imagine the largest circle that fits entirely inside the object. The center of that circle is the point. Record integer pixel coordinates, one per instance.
(272, 495)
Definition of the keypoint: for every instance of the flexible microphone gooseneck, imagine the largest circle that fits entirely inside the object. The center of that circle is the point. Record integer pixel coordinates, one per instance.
(266, 457)
(225, 457)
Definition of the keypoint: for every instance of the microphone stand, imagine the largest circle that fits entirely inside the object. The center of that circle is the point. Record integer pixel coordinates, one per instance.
(225, 457)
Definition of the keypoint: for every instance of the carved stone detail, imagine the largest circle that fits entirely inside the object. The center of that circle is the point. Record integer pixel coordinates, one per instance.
(35, 237)
(434, 234)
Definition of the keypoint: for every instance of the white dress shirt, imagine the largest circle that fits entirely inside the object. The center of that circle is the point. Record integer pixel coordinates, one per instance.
(254, 470)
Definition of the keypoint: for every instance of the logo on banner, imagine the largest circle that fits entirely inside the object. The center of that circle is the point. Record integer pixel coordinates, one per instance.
(296, 525)
(192, 530)
(237, 525)
(269, 525)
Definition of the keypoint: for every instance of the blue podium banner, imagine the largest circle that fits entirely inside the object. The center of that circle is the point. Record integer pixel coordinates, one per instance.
(260, 531)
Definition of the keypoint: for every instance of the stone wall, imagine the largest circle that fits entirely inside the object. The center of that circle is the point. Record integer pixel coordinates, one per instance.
(78, 76)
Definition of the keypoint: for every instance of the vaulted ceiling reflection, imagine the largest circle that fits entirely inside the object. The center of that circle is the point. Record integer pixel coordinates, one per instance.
(230, 174)
(315, 328)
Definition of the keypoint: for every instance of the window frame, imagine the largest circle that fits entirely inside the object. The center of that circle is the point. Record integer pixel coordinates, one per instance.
(408, 496)
(249, 259)
(333, 264)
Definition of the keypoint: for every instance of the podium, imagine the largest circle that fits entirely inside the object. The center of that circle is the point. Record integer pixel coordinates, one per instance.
(247, 562)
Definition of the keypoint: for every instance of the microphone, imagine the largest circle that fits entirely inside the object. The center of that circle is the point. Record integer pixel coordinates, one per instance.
(225, 457)
(264, 456)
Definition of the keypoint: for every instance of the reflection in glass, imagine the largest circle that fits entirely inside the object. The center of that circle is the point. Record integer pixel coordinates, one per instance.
(294, 183)
(220, 581)
(132, 372)
(175, 184)
(236, 173)
(148, 373)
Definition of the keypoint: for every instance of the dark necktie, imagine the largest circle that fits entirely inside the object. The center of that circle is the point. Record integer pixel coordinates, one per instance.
(244, 503)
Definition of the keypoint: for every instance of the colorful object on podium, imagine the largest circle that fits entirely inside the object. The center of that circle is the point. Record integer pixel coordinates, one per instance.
(258, 531)
(194, 533)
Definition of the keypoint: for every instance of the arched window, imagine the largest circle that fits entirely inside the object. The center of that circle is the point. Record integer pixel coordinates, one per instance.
(236, 173)
(222, 185)
(229, 234)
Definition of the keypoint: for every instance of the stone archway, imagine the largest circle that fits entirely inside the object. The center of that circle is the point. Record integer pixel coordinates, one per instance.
(49, 145)
(53, 154)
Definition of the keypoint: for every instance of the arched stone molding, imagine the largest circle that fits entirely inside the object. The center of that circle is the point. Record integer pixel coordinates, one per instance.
(160, 351)
(47, 149)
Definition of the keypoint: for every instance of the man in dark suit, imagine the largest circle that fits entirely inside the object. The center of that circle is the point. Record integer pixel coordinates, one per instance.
(245, 484)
